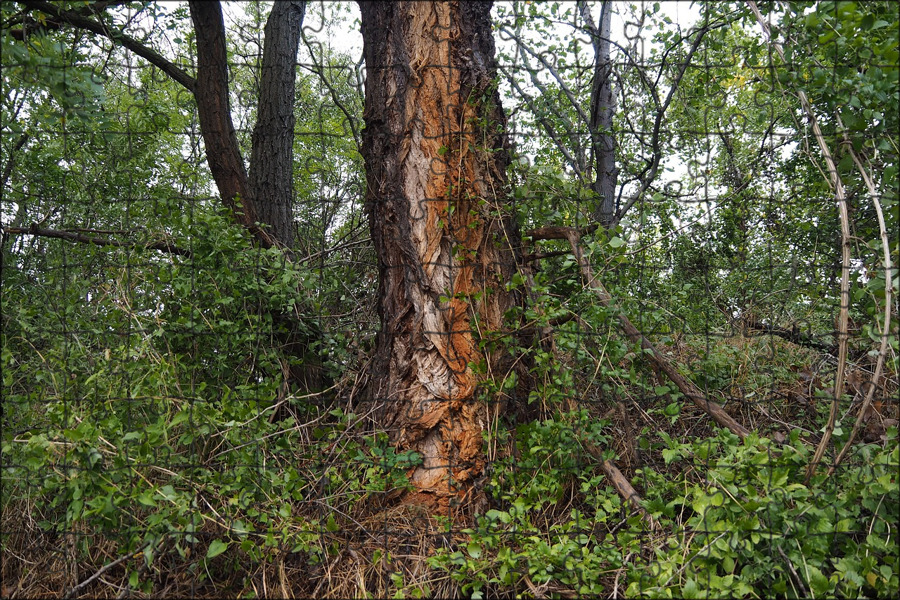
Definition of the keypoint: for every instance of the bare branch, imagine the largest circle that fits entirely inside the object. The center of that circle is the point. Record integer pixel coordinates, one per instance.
(548, 126)
(546, 64)
(648, 173)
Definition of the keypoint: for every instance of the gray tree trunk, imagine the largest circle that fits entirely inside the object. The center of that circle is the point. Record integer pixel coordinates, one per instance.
(603, 107)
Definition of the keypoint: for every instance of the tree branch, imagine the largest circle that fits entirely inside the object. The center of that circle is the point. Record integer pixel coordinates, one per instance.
(548, 126)
(834, 179)
(550, 69)
(792, 335)
(82, 22)
(648, 174)
(687, 387)
(559, 233)
(164, 246)
(211, 93)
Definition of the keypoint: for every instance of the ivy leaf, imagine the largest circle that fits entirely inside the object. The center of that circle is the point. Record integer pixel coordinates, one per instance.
(690, 589)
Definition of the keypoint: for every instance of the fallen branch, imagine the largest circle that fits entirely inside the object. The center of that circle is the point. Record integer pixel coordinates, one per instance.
(625, 489)
(687, 387)
(792, 335)
(621, 483)
(70, 236)
(101, 571)
(794, 576)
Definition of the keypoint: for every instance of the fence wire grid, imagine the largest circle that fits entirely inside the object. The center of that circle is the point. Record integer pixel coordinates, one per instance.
(446, 299)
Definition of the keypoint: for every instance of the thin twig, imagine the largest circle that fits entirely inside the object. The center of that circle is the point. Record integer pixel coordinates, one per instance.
(103, 570)
(840, 197)
(794, 575)
(888, 288)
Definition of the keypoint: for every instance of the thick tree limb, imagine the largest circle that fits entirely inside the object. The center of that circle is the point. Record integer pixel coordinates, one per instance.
(558, 232)
(210, 90)
(77, 20)
(71, 236)
(211, 93)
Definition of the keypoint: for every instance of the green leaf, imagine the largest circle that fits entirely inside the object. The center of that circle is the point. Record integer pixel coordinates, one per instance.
(670, 455)
(617, 242)
(331, 525)
(690, 589)
(474, 550)
(146, 498)
(817, 581)
(216, 548)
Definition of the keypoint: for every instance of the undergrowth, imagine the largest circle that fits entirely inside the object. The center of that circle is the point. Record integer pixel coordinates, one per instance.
(144, 458)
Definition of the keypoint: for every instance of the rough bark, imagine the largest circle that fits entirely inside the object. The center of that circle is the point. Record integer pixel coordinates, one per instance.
(214, 111)
(265, 198)
(271, 174)
(603, 107)
(436, 157)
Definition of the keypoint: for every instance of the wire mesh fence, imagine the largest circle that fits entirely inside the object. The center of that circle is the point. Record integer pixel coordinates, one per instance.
(543, 300)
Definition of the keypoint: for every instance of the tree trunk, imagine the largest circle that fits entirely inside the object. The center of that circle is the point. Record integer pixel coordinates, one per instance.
(214, 111)
(436, 158)
(603, 107)
(211, 93)
(271, 159)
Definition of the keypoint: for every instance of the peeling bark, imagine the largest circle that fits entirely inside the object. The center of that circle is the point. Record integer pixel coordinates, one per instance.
(436, 158)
